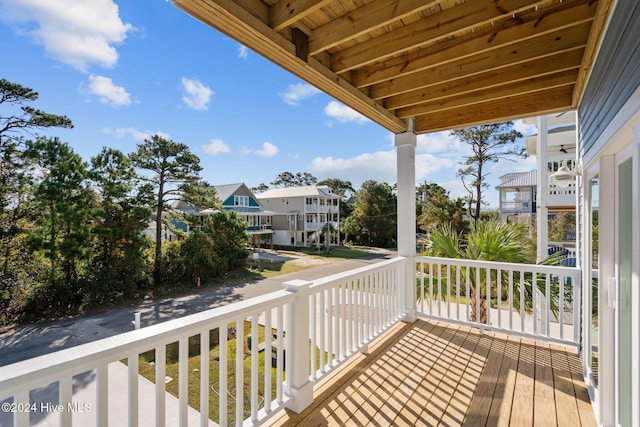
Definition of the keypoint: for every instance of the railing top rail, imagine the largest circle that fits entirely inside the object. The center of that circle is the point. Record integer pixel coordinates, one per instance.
(328, 280)
(535, 268)
(27, 374)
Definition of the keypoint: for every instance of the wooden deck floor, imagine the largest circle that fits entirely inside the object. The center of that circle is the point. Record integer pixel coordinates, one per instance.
(431, 373)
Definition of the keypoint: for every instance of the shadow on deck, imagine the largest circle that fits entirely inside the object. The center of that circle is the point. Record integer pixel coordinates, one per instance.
(434, 373)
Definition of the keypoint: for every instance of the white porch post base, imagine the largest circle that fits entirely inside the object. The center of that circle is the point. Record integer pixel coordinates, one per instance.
(297, 360)
(406, 170)
(301, 398)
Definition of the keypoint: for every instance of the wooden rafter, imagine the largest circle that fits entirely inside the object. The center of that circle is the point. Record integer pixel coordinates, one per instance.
(444, 63)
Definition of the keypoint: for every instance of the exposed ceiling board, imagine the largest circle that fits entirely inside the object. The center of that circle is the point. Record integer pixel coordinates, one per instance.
(445, 63)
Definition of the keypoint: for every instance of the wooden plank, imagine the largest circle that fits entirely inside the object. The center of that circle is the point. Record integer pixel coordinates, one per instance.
(501, 403)
(564, 78)
(435, 385)
(482, 61)
(231, 19)
(363, 20)
(544, 405)
(490, 42)
(492, 78)
(585, 410)
(447, 24)
(566, 406)
(605, 7)
(480, 405)
(287, 12)
(522, 407)
(516, 107)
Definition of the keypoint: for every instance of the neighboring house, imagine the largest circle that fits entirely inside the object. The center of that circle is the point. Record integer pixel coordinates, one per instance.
(301, 214)
(241, 200)
(517, 201)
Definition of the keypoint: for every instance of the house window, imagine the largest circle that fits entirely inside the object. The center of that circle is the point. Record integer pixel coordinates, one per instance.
(241, 200)
(322, 201)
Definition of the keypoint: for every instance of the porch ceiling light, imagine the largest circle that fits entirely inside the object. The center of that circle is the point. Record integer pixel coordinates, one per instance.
(565, 174)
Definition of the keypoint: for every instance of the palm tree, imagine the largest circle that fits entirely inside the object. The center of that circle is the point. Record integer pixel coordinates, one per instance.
(487, 241)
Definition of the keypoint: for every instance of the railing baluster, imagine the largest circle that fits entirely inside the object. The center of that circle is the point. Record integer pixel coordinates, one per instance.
(547, 307)
(322, 339)
(279, 364)
(343, 321)
(522, 300)
(488, 290)
(349, 308)
(102, 395)
(239, 371)
(21, 418)
(132, 379)
(160, 371)
(478, 295)
(183, 381)
(534, 301)
(421, 281)
(448, 291)
(468, 293)
(223, 405)
(457, 267)
(65, 396)
(254, 368)
(268, 396)
(511, 299)
(312, 334)
(431, 288)
(330, 325)
(561, 304)
(499, 295)
(204, 378)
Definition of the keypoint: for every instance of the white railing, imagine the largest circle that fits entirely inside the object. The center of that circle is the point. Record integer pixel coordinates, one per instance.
(231, 365)
(533, 300)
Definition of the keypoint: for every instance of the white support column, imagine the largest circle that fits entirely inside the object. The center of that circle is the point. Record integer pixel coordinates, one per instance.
(543, 189)
(297, 346)
(406, 166)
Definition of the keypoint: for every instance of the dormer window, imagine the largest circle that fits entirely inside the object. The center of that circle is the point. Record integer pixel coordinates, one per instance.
(241, 200)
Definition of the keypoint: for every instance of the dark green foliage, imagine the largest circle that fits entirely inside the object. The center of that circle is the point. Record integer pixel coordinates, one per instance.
(435, 208)
(218, 249)
(488, 143)
(173, 173)
(288, 179)
(375, 213)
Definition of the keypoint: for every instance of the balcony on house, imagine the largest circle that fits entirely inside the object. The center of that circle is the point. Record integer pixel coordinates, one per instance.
(403, 341)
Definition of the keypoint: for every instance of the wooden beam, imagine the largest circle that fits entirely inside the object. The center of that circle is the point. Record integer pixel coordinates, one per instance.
(472, 44)
(363, 20)
(517, 107)
(230, 18)
(530, 86)
(287, 12)
(440, 26)
(469, 65)
(605, 7)
(492, 78)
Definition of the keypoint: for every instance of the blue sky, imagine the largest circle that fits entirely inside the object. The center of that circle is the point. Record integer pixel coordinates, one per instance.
(125, 70)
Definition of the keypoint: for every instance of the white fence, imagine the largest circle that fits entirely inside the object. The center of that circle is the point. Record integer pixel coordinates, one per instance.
(534, 300)
(170, 373)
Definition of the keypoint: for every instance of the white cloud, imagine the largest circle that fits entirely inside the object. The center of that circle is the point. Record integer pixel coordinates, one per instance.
(76, 32)
(243, 52)
(298, 92)
(524, 129)
(379, 166)
(107, 92)
(267, 150)
(133, 133)
(216, 146)
(343, 114)
(196, 95)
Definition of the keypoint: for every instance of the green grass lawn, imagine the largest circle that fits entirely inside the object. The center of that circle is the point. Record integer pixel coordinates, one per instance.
(147, 370)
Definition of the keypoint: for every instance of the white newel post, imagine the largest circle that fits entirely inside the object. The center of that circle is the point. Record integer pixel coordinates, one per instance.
(406, 166)
(297, 346)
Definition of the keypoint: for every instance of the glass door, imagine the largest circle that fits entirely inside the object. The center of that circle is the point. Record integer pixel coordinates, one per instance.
(624, 303)
(594, 204)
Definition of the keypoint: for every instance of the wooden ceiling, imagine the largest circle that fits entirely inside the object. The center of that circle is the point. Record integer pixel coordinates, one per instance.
(445, 63)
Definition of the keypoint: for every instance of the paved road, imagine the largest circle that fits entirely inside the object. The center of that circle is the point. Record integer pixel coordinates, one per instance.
(27, 341)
